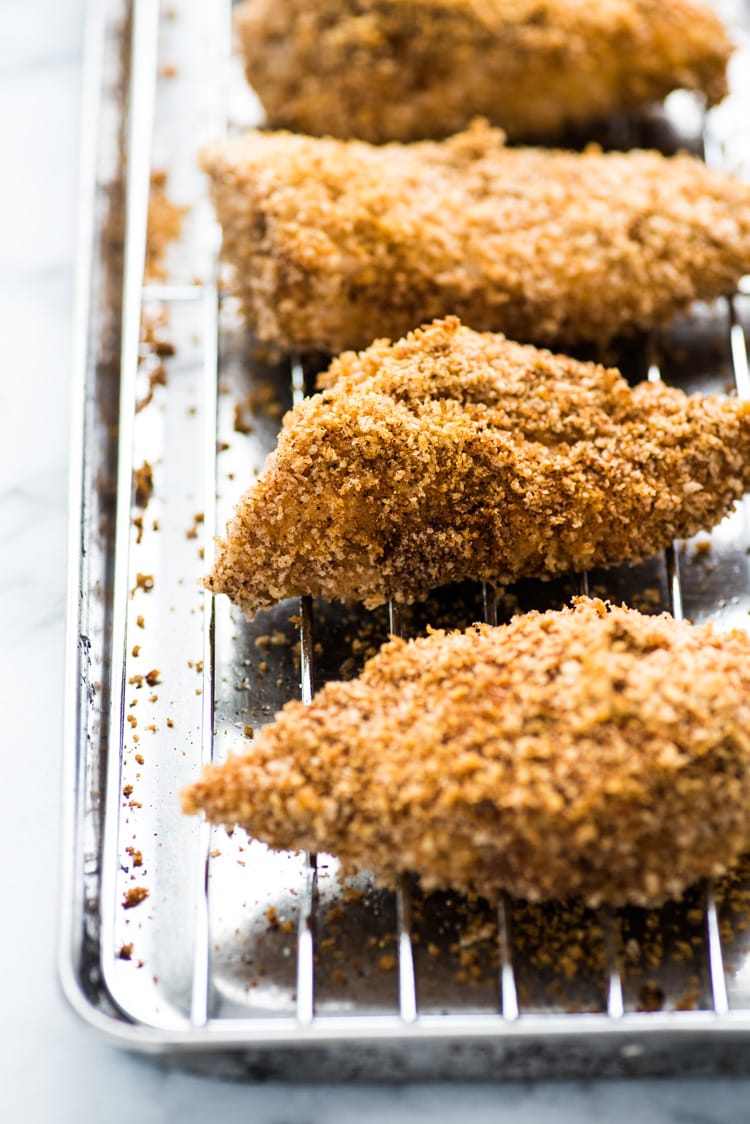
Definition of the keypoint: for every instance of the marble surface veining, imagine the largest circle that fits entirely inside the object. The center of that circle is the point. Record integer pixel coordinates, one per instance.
(52, 1068)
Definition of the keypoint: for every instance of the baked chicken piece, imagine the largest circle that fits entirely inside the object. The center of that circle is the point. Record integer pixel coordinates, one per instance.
(454, 454)
(399, 70)
(591, 751)
(334, 243)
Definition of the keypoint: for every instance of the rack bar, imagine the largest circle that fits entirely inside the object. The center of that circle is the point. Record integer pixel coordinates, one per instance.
(717, 975)
(306, 649)
(200, 997)
(738, 348)
(609, 921)
(713, 148)
(297, 376)
(489, 603)
(306, 945)
(653, 373)
(508, 989)
(611, 927)
(674, 585)
(201, 981)
(395, 619)
(305, 938)
(407, 985)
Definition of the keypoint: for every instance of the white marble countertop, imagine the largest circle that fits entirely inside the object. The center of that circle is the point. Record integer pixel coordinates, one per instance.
(52, 1068)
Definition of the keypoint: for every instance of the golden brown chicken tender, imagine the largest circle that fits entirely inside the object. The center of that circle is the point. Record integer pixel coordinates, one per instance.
(584, 752)
(454, 454)
(334, 243)
(404, 69)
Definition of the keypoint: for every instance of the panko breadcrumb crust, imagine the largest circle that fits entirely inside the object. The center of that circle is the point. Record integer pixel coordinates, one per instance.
(454, 454)
(408, 69)
(587, 752)
(334, 243)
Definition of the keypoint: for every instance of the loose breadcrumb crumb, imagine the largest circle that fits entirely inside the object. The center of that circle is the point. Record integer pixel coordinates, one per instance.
(134, 897)
(143, 484)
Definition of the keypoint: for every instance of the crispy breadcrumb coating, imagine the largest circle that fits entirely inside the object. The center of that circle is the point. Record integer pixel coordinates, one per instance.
(588, 752)
(334, 243)
(405, 69)
(454, 454)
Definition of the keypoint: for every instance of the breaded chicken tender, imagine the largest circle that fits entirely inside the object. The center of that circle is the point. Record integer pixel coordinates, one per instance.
(407, 69)
(588, 752)
(334, 243)
(454, 454)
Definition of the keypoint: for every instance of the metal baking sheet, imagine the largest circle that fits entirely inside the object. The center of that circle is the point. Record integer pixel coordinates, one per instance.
(205, 947)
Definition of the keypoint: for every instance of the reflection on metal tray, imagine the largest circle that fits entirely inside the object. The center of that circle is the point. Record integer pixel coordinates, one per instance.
(207, 947)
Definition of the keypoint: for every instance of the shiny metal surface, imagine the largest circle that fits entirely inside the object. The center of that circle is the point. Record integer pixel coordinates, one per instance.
(234, 957)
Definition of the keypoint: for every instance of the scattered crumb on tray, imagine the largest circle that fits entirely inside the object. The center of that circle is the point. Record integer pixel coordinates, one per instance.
(143, 484)
(134, 896)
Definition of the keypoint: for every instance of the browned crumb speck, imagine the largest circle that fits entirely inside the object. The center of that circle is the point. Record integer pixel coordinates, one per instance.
(192, 532)
(143, 484)
(396, 70)
(164, 226)
(242, 422)
(134, 896)
(454, 455)
(334, 243)
(157, 377)
(584, 752)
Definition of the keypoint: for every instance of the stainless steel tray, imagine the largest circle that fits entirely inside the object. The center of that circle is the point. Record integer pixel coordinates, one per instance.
(204, 947)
